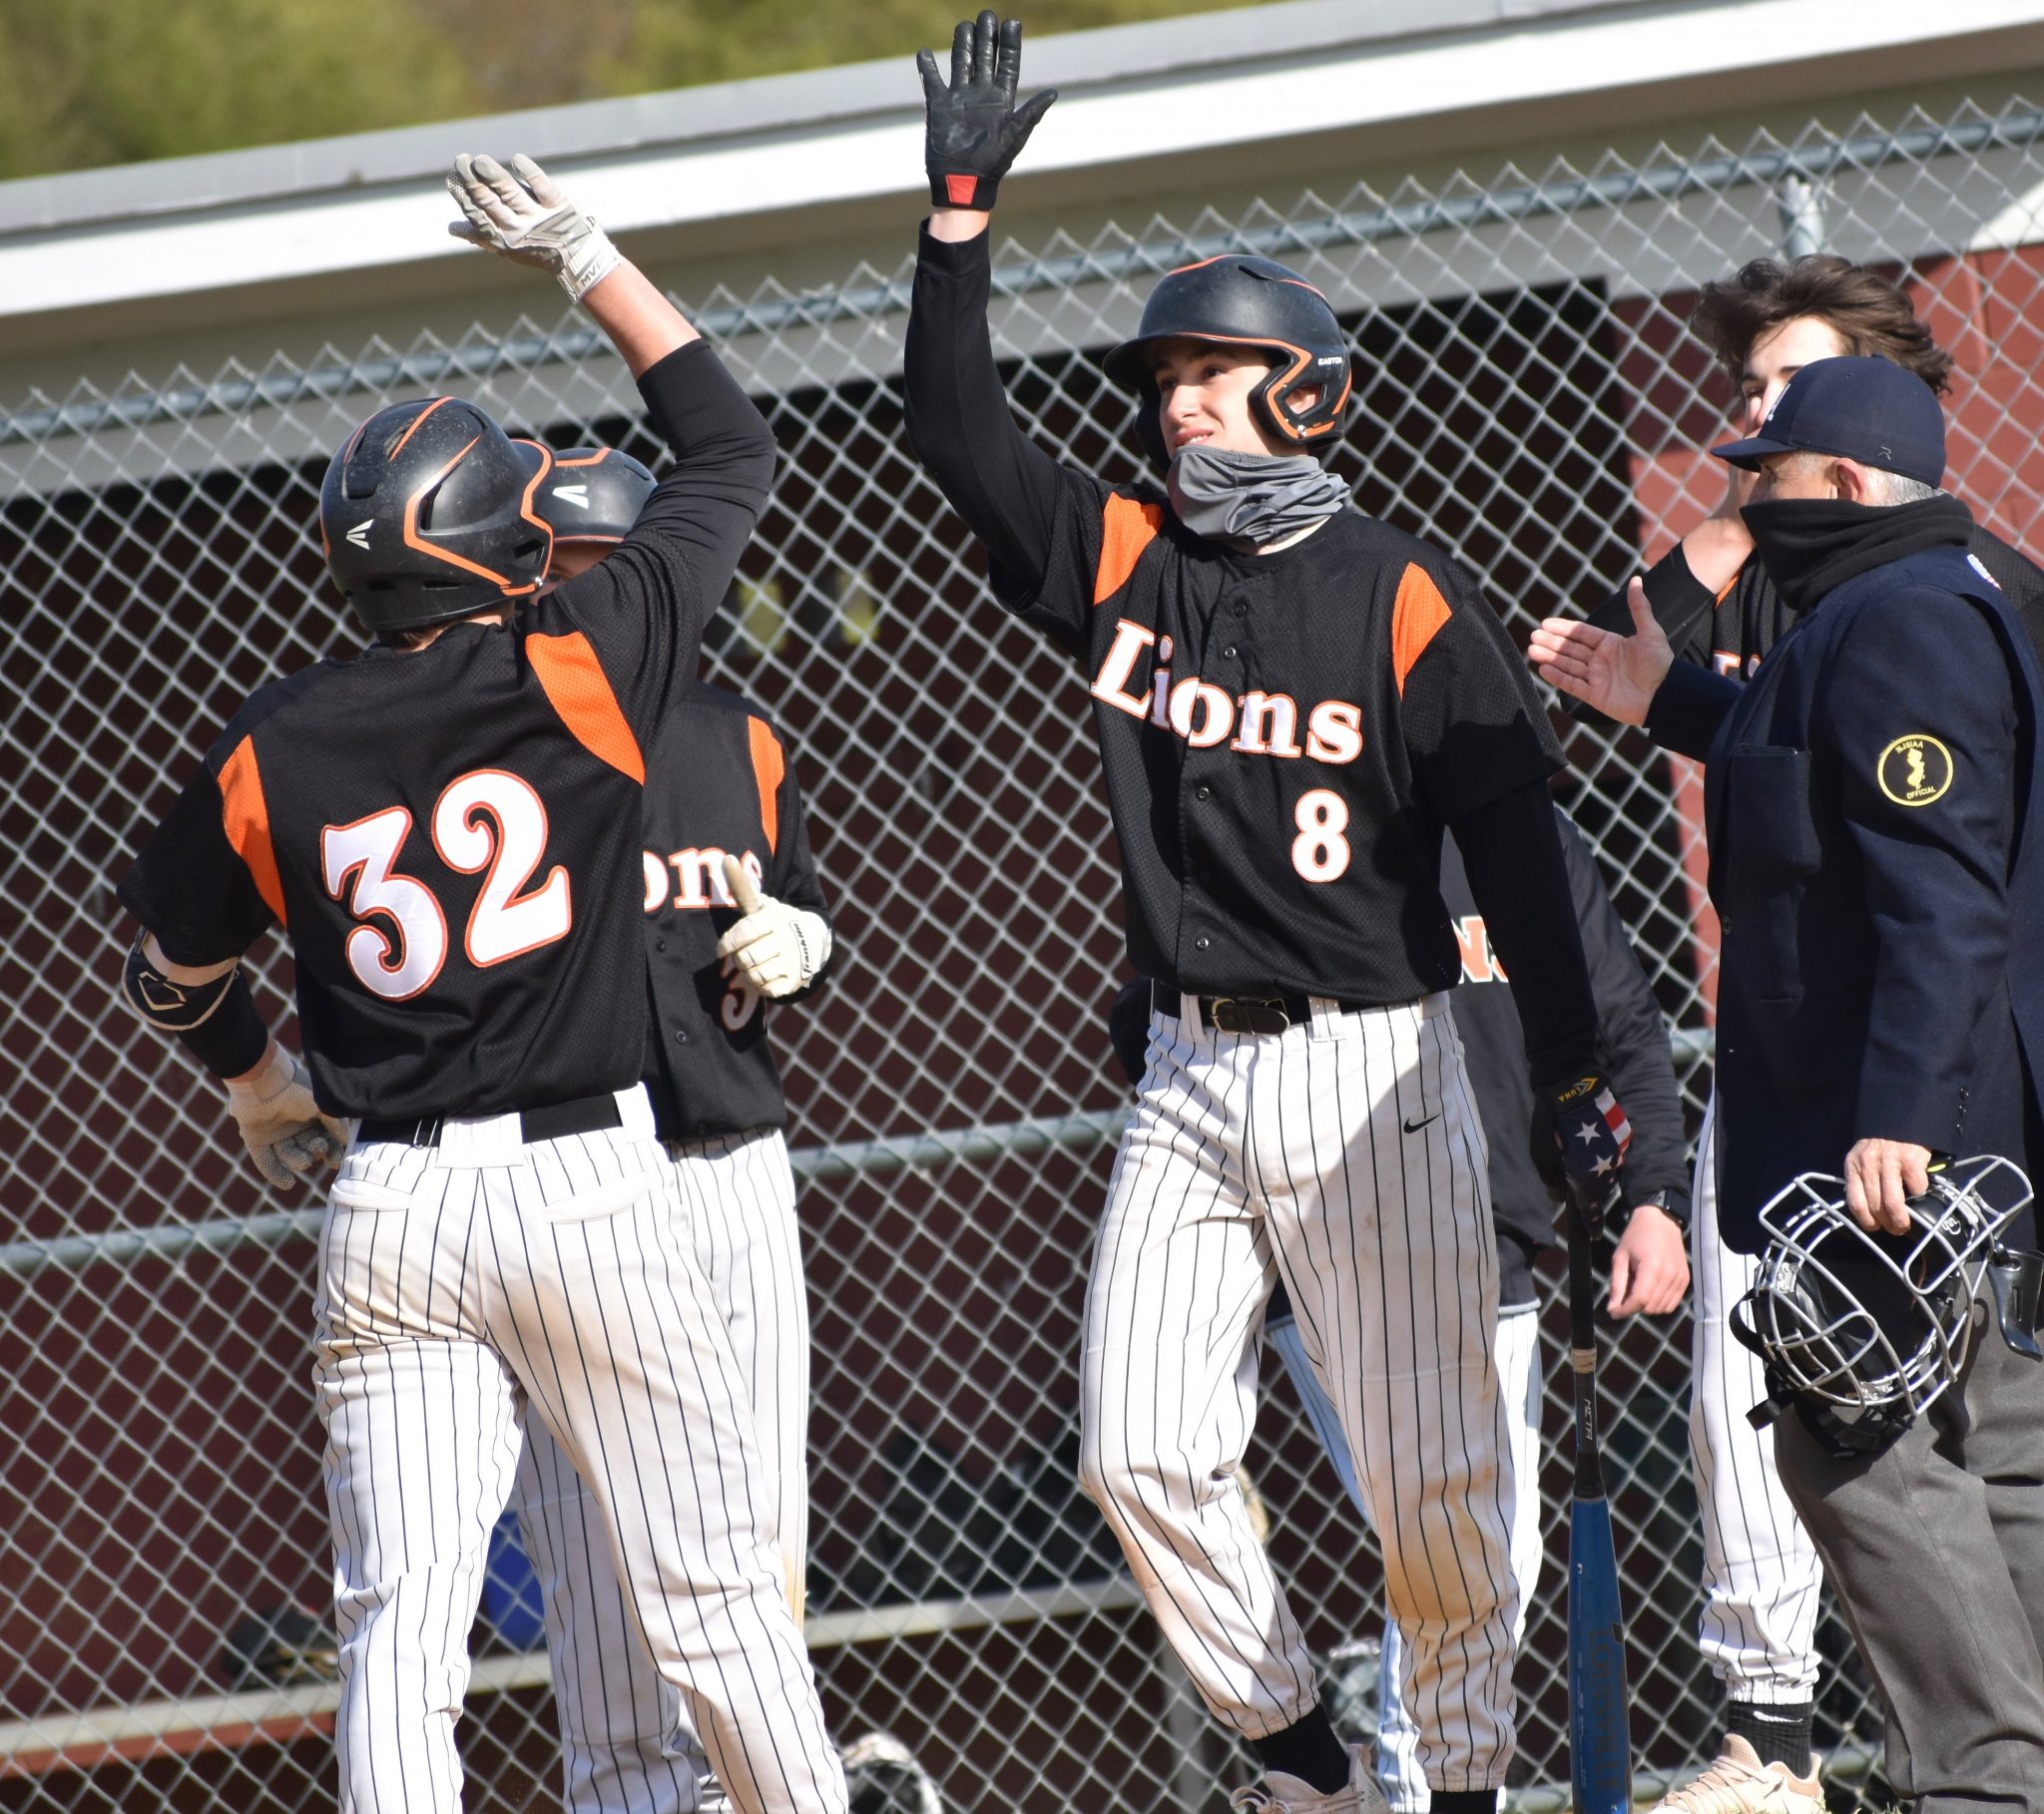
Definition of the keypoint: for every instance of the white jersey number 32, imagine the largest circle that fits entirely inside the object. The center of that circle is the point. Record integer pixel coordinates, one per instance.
(483, 821)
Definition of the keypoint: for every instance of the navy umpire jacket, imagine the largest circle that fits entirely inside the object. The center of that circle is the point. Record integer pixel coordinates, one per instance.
(1871, 802)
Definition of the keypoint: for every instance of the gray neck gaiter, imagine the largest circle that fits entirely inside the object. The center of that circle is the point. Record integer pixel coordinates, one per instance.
(1248, 498)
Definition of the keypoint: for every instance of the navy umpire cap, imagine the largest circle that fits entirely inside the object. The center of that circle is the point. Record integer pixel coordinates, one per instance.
(1865, 409)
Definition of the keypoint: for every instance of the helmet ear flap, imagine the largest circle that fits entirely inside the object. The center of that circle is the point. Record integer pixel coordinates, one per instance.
(1149, 426)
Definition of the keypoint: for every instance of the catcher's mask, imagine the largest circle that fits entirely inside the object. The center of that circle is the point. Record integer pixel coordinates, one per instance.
(594, 494)
(1238, 300)
(1863, 1332)
(427, 514)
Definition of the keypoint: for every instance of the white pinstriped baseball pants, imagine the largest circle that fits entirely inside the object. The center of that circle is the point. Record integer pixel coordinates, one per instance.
(461, 1281)
(1522, 1379)
(626, 1743)
(1761, 1574)
(1255, 1156)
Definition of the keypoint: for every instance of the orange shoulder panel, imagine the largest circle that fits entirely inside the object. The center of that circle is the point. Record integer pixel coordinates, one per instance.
(1126, 528)
(246, 815)
(1417, 619)
(769, 768)
(577, 688)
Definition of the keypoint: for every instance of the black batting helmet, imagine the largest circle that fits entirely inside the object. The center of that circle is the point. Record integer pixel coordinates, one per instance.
(427, 514)
(594, 494)
(1238, 300)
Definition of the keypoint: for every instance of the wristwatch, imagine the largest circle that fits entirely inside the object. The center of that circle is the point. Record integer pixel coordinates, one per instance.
(1658, 1199)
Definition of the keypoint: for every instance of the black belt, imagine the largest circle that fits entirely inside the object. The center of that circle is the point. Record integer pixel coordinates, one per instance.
(585, 1115)
(1246, 1013)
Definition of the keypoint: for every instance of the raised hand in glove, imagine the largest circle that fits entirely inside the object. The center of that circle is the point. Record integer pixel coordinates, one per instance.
(779, 949)
(1579, 1135)
(974, 129)
(282, 1126)
(521, 214)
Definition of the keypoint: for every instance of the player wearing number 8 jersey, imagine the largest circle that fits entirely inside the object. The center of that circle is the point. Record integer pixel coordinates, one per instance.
(1291, 703)
(447, 825)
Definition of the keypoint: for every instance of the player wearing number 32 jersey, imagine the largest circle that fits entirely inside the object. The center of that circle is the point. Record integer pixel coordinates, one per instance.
(1293, 701)
(447, 825)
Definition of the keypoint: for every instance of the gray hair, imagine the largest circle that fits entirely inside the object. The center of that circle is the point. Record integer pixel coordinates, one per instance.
(1886, 489)
(1891, 488)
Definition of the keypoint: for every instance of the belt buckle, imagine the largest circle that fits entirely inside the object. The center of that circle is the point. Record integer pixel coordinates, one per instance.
(1248, 1013)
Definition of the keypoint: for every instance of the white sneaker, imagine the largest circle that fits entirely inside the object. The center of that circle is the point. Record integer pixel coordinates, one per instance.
(1283, 1794)
(1739, 1783)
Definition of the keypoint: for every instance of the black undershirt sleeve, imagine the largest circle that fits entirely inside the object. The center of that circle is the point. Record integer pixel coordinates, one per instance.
(959, 423)
(1632, 1033)
(646, 603)
(1512, 855)
(232, 1038)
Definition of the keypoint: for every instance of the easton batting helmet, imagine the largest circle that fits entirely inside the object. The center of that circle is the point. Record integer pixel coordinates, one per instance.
(1238, 300)
(594, 494)
(427, 514)
(1863, 1332)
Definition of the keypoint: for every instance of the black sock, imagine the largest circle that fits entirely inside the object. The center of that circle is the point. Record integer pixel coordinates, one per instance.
(1780, 1734)
(1464, 1801)
(1308, 1749)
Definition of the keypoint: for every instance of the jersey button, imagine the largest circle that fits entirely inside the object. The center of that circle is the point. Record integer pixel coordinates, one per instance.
(681, 1036)
(1203, 793)
(660, 943)
(1203, 942)
(1241, 609)
(1229, 652)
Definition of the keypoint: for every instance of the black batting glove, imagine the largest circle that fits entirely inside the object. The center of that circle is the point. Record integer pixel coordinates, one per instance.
(1579, 1136)
(974, 129)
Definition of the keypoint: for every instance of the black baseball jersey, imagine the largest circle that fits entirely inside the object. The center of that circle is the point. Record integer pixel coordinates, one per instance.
(1730, 632)
(717, 781)
(450, 835)
(1285, 736)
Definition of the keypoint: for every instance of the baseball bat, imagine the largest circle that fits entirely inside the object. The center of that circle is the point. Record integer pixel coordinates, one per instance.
(1600, 1739)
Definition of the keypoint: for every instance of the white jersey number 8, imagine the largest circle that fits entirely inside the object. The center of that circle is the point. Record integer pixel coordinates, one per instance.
(483, 821)
(1320, 852)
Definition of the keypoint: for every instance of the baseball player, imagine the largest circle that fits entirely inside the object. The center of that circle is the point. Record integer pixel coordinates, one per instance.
(1720, 609)
(1649, 1270)
(448, 826)
(1291, 703)
(722, 822)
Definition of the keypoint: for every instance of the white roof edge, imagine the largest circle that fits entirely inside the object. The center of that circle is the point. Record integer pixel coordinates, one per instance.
(1317, 71)
(678, 118)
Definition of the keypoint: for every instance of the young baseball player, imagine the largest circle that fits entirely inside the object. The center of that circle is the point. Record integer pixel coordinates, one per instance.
(448, 826)
(1720, 609)
(722, 822)
(1293, 701)
(1649, 1270)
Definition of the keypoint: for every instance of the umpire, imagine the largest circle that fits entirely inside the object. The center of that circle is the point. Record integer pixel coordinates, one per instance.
(1872, 801)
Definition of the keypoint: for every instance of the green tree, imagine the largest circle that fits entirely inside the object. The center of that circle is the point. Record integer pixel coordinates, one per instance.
(92, 82)
(676, 43)
(95, 82)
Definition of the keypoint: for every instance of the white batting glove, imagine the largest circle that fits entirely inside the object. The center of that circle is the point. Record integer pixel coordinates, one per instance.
(521, 214)
(779, 949)
(286, 1136)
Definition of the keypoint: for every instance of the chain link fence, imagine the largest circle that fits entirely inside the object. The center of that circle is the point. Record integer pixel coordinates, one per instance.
(1530, 399)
